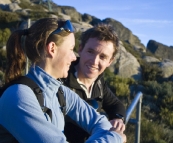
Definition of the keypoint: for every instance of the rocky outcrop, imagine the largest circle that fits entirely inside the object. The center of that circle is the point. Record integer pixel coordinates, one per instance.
(160, 50)
(150, 59)
(126, 65)
(4, 2)
(90, 19)
(81, 26)
(14, 7)
(125, 34)
(70, 11)
(167, 68)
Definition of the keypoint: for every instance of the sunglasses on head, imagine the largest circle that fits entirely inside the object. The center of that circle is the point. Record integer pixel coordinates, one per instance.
(68, 27)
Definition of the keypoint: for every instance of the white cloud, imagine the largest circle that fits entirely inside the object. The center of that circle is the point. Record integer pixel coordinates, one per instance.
(146, 21)
(106, 8)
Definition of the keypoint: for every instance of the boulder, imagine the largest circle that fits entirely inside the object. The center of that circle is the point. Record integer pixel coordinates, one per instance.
(90, 19)
(125, 34)
(4, 2)
(14, 7)
(160, 50)
(167, 68)
(81, 26)
(64, 16)
(71, 11)
(150, 59)
(126, 65)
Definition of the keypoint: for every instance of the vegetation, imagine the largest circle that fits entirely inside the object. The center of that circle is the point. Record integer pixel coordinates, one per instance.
(4, 35)
(157, 104)
(7, 17)
(77, 41)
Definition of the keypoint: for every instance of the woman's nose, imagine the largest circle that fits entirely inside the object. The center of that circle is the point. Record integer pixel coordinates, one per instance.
(74, 57)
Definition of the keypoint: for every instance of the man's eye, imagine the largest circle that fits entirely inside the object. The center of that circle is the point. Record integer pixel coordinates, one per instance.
(102, 57)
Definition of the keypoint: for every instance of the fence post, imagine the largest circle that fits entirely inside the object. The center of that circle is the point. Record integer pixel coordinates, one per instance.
(27, 61)
(138, 121)
(137, 102)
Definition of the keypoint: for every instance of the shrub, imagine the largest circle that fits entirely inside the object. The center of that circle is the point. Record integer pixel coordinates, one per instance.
(119, 85)
(152, 132)
(4, 35)
(77, 40)
(3, 60)
(7, 17)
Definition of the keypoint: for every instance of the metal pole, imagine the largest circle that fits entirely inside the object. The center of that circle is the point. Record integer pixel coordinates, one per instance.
(27, 61)
(138, 119)
(132, 106)
(49, 5)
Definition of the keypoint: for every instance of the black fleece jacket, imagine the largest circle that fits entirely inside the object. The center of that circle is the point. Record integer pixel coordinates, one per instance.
(106, 99)
(100, 92)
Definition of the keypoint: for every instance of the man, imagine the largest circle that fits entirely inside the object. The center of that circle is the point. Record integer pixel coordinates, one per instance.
(97, 51)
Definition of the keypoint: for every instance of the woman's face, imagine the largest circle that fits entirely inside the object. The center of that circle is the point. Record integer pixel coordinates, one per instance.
(64, 56)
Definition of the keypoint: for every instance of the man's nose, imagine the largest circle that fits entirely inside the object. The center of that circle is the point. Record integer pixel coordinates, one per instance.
(95, 60)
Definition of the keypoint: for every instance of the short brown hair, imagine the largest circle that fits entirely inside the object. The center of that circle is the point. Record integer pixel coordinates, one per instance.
(103, 32)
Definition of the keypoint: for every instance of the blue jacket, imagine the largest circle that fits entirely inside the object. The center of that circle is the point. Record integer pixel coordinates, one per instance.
(21, 115)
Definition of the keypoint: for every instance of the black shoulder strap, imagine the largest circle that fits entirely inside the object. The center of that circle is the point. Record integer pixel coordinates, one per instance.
(61, 100)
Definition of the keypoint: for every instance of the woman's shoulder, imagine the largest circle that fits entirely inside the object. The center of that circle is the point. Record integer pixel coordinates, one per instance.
(17, 94)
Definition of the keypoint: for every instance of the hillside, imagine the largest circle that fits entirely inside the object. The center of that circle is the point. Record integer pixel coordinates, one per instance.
(135, 68)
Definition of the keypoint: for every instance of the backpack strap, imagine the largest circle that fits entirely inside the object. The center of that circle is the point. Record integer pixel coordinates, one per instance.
(61, 99)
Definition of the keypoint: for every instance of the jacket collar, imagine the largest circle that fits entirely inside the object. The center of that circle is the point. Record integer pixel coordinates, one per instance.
(71, 79)
(47, 83)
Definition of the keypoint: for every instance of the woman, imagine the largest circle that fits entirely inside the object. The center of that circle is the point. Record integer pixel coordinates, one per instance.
(48, 44)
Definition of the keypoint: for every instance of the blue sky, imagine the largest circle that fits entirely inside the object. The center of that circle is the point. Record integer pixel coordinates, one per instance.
(147, 19)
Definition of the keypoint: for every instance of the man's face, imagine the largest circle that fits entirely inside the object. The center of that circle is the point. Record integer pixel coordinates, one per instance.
(95, 57)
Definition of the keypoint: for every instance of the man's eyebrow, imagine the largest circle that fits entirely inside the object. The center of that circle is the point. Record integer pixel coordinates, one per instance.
(105, 55)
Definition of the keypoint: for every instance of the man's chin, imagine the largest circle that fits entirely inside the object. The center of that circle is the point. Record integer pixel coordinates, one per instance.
(90, 76)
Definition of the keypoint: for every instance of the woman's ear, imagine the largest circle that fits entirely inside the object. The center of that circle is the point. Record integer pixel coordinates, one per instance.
(51, 48)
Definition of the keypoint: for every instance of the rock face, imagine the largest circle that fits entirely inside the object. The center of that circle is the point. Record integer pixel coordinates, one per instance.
(150, 59)
(126, 65)
(70, 11)
(14, 7)
(81, 26)
(4, 2)
(167, 68)
(125, 34)
(160, 50)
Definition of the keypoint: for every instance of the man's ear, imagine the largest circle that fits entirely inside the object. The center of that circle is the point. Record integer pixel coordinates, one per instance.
(111, 60)
(80, 48)
(51, 48)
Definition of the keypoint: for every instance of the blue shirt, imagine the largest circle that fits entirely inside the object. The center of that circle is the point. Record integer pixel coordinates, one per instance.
(21, 114)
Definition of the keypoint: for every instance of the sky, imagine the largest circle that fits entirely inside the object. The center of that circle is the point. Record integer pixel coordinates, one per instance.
(147, 19)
